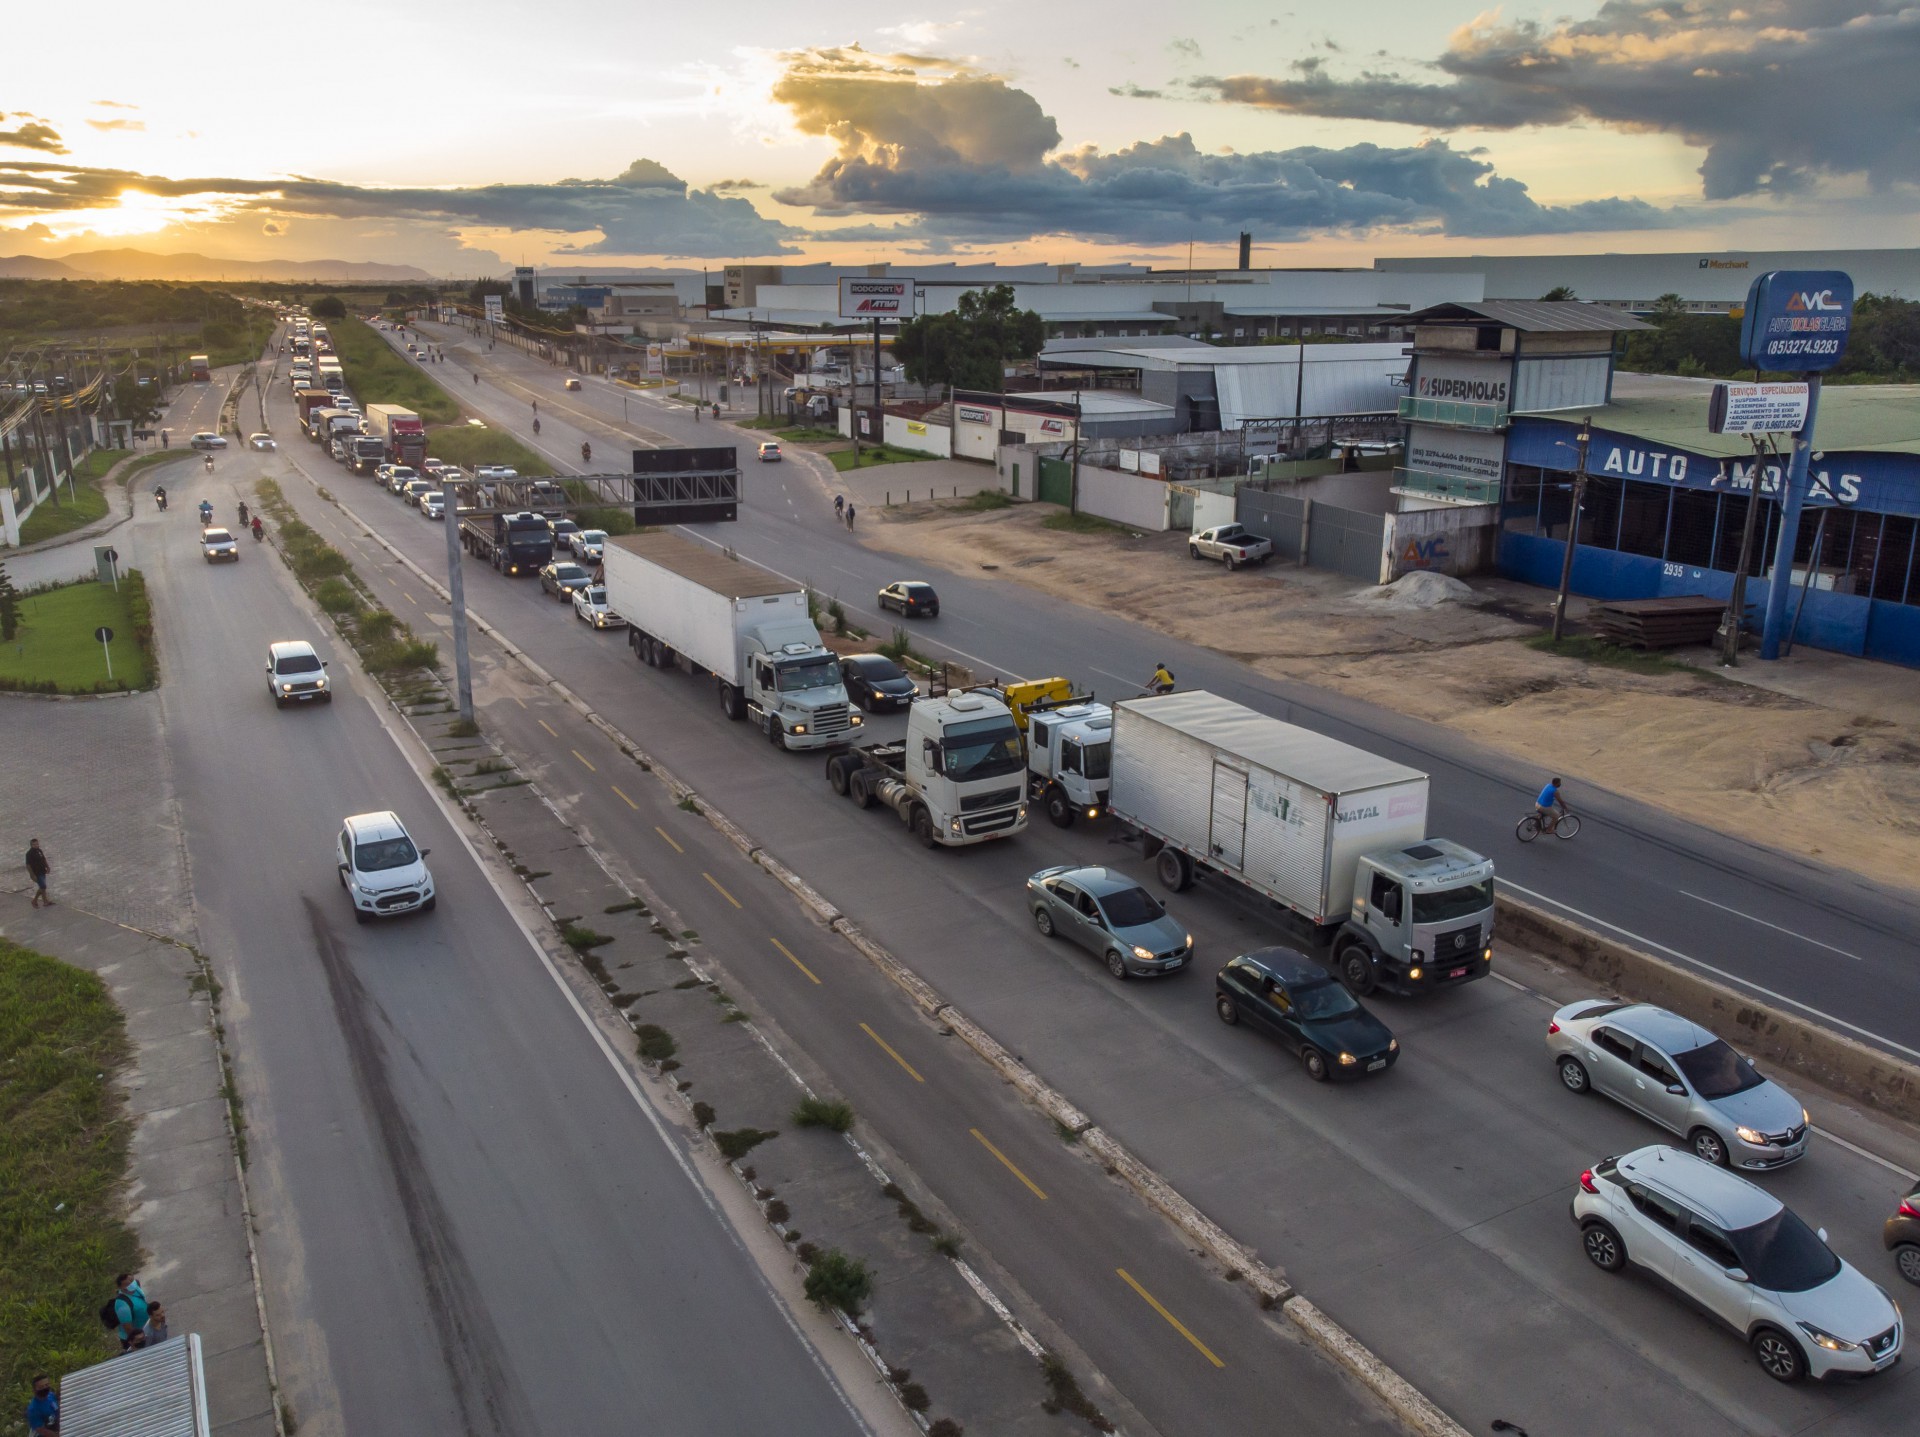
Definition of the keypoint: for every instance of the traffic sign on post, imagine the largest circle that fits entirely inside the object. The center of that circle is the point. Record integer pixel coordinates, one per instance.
(105, 636)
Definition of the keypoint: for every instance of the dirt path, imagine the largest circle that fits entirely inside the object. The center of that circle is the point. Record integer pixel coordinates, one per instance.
(1832, 770)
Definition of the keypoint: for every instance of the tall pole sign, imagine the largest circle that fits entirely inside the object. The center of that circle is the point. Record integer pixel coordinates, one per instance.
(1797, 322)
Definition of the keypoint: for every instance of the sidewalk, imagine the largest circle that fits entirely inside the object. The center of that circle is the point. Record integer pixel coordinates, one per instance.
(184, 1191)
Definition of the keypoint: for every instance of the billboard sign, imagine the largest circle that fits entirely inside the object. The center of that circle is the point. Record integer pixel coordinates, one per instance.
(875, 298)
(496, 309)
(1797, 320)
(1757, 408)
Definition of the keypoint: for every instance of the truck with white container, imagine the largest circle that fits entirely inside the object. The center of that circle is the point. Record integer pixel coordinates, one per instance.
(958, 778)
(401, 430)
(751, 630)
(1335, 836)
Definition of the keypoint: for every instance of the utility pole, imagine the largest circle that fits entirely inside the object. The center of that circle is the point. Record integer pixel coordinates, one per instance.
(1737, 599)
(879, 405)
(1793, 495)
(1573, 526)
(457, 600)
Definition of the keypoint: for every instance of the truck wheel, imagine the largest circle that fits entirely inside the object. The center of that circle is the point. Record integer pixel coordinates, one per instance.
(1355, 967)
(776, 735)
(1059, 810)
(923, 828)
(1175, 870)
(1232, 563)
(1193, 551)
(859, 790)
(837, 775)
(732, 702)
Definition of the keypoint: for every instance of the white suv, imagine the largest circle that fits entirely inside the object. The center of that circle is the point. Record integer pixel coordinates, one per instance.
(1735, 1251)
(381, 869)
(296, 674)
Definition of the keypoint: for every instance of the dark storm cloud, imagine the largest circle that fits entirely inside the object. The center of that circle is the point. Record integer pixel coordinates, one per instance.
(646, 210)
(31, 133)
(967, 156)
(1779, 93)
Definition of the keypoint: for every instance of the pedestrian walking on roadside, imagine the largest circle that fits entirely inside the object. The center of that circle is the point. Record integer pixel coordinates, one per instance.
(130, 1308)
(43, 1412)
(849, 516)
(38, 867)
(156, 1324)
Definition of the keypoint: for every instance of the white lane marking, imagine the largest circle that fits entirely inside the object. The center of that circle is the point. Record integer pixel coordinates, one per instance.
(1503, 978)
(1693, 962)
(1774, 926)
(1860, 1152)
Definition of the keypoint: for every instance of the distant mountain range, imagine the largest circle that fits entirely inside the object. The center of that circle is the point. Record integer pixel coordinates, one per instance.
(138, 264)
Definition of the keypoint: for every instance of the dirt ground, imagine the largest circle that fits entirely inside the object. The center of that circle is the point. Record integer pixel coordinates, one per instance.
(1819, 753)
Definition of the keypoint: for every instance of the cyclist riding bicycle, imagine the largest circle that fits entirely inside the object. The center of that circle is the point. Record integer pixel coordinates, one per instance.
(1548, 806)
(1162, 680)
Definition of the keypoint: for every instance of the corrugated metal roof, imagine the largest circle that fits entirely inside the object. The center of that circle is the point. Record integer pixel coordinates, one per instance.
(712, 569)
(1297, 753)
(158, 1392)
(1853, 418)
(1536, 316)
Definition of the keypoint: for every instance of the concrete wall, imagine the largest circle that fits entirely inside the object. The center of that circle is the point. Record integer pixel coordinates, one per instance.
(1135, 500)
(1211, 509)
(1455, 539)
(919, 436)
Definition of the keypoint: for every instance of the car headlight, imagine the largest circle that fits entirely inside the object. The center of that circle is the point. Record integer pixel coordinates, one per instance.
(286, 688)
(1393, 1045)
(799, 728)
(1145, 955)
(1347, 1060)
(1828, 1340)
(1413, 974)
(1748, 1135)
(854, 720)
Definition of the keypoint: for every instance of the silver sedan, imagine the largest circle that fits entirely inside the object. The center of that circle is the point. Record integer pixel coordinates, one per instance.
(1112, 917)
(1675, 1072)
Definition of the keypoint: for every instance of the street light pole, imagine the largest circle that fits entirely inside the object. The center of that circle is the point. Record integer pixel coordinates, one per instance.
(1737, 599)
(1573, 527)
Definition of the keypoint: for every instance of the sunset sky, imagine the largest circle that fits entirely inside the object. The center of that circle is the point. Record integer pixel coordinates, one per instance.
(578, 132)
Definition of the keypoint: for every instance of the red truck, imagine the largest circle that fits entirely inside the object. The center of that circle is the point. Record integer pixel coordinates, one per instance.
(405, 435)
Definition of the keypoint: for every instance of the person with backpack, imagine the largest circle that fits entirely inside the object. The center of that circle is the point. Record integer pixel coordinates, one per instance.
(128, 1312)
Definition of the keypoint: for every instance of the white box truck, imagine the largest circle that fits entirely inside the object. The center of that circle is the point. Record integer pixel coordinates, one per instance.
(748, 628)
(1333, 834)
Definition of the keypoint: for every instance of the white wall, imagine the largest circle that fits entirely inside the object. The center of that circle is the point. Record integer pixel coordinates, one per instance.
(1130, 499)
(1212, 510)
(919, 436)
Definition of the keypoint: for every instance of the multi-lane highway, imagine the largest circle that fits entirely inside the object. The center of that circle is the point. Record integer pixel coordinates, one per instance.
(1427, 1211)
(469, 1220)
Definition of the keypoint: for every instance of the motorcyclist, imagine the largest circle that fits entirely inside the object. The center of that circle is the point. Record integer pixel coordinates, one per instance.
(160, 496)
(206, 511)
(243, 513)
(209, 464)
(1162, 680)
(257, 527)
(536, 426)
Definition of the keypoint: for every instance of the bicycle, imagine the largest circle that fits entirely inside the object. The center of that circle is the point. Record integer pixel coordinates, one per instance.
(1562, 826)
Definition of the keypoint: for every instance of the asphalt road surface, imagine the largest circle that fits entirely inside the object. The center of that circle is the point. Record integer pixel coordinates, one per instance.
(470, 1222)
(1426, 1211)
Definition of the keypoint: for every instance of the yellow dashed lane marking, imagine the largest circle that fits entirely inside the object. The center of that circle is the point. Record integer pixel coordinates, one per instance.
(669, 838)
(721, 891)
(887, 1048)
(587, 761)
(630, 803)
(801, 966)
(1175, 1323)
(1007, 1162)
(548, 727)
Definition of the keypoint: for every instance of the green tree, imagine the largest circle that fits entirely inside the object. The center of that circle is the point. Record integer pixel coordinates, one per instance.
(9, 606)
(329, 306)
(969, 346)
(1560, 291)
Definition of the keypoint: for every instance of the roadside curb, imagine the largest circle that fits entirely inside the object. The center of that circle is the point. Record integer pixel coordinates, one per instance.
(1413, 1408)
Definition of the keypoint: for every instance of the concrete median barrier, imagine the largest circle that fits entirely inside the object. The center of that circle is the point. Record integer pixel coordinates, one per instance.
(1769, 1032)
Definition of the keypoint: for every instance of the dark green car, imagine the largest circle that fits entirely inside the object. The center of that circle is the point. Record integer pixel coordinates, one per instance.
(1290, 997)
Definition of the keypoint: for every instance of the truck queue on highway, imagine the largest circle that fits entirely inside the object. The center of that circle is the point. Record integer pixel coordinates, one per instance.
(1333, 840)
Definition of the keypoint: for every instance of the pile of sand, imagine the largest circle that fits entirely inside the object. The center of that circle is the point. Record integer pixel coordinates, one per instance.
(1418, 590)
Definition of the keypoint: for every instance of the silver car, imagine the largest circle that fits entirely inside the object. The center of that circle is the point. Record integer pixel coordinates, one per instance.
(1675, 1072)
(1112, 917)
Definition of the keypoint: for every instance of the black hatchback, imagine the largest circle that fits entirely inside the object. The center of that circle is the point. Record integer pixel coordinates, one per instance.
(1290, 997)
(876, 682)
(914, 599)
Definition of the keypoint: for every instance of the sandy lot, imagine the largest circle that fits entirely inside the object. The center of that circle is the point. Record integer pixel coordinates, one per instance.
(1828, 751)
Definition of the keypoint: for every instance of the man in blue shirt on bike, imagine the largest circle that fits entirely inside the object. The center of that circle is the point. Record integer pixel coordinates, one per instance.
(1548, 807)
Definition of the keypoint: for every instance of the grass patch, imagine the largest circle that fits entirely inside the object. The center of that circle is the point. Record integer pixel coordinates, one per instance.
(899, 648)
(983, 502)
(872, 456)
(74, 507)
(471, 444)
(61, 1167)
(656, 1043)
(463, 728)
(336, 596)
(1086, 524)
(54, 650)
(836, 1280)
(630, 906)
(1613, 656)
(582, 939)
(1064, 1395)
(735, 1143)
(823, 1113)
(377, 375)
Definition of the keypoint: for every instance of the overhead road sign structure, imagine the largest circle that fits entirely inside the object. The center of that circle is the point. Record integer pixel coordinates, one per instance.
(1797, 320)
(1758, 408)
(863, 298)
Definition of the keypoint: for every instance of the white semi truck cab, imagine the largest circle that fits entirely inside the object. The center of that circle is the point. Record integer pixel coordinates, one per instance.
(959, 776)
(793, 691)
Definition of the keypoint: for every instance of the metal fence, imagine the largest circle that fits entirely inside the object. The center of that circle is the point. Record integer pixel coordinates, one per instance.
(1347, 541)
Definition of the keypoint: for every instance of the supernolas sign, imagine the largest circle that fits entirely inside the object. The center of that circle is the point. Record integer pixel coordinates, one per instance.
(875, 298)
(1797, 320)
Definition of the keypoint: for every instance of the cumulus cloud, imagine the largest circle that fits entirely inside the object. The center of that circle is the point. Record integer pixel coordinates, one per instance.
(726, 187)
(31, 133)
(273, 229)
(1131, 91)
(971, 159)
(118, 124)
(1779, 93)
(646, 210)
(1185, 47)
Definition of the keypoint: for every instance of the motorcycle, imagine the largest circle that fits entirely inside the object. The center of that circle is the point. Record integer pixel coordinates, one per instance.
(258, 531)
(206, 513)
(160, 498)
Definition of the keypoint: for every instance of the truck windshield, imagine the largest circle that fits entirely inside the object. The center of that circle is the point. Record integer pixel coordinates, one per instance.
(984, 748)
(1451, 903)
(820, 673)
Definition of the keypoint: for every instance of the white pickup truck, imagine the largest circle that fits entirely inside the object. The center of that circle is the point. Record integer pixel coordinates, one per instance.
(1230, 544)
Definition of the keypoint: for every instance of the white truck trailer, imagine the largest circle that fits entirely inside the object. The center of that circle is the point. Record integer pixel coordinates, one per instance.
(748, 628)
(1333, 834)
